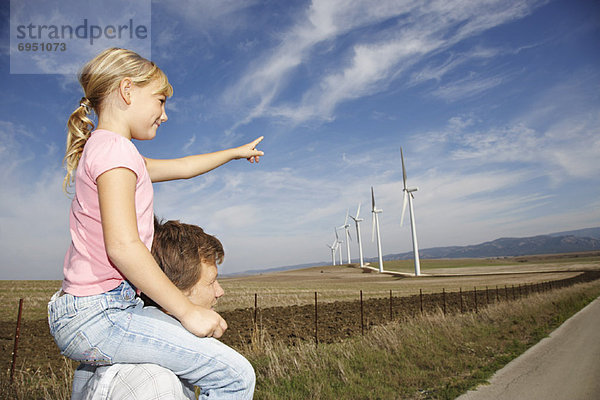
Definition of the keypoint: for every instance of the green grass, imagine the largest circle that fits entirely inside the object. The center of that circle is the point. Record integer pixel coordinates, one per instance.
(430, 264)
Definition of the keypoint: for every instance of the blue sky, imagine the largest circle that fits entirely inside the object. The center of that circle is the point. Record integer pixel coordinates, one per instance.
(496, 105)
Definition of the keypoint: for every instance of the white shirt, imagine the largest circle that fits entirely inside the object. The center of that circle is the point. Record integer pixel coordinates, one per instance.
(135, 382)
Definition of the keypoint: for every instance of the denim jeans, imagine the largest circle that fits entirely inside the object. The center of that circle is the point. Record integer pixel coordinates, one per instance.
(114, 327)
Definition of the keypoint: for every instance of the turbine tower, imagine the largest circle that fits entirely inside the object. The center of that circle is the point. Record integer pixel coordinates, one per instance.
(337, 245)
(357, 222)
(408, 197)
(333, 248)
(346, 227)
(375, 227)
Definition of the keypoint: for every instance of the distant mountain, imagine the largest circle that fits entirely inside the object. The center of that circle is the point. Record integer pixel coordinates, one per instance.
(587, 232)
(275, 269)
(561, 242)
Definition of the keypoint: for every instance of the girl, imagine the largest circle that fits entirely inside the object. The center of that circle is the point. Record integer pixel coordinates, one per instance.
(96, 317)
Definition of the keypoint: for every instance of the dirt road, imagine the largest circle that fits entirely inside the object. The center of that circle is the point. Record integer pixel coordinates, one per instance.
(565, 365)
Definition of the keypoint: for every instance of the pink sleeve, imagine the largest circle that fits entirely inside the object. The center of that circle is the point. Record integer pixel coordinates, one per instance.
(113, 152)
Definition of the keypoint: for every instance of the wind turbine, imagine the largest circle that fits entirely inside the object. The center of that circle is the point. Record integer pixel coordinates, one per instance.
(346, 227)
(408, 197)
(333, 248)
(375, 227)
(337, 245)
(357, 222)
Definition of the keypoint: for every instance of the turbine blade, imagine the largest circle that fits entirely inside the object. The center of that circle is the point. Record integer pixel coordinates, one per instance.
(372, 199)
(403, 168)
(404, 202)
(357, 212)
(336, 235)
(347, 214)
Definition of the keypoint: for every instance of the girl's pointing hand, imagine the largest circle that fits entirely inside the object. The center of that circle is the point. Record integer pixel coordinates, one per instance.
(249, 151)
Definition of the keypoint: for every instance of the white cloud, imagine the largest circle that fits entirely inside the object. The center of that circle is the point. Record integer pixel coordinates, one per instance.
(189, 143)
(467, 87)
(371, 61)
(33, 210)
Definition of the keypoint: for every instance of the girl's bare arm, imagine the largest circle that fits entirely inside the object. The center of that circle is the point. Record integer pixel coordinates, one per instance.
(116, 191)
(191, 166)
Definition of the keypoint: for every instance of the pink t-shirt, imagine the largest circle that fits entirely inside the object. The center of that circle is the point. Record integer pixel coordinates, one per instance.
(87, 268)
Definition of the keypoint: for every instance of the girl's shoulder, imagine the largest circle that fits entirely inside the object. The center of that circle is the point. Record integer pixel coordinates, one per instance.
(105, 150)
(104, 141)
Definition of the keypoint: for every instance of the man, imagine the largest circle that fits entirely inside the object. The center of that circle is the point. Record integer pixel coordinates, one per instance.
(189, 257)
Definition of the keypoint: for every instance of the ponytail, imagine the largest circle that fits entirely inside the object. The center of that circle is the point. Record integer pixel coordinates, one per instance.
(79, 127)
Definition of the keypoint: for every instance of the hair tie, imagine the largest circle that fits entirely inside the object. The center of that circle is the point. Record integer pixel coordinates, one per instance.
(82, 104)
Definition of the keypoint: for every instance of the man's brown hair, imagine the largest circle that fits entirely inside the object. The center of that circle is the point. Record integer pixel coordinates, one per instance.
(179, 249)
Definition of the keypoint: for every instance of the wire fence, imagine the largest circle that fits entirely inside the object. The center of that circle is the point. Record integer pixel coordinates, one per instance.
(326, 322)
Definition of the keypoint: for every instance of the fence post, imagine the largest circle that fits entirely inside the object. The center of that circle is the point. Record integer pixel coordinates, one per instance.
(17, 332)
(487, 296)
(362, 323)
(316, 318)
(391, 309)
(444, 296)
(475, 296)
(255, 308)
(421, 299)
(461, 300)
(497, 296)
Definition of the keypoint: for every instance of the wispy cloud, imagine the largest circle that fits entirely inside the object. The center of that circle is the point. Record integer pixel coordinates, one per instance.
(370, 62)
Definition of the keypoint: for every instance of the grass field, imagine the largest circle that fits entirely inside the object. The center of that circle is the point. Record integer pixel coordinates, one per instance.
(460, 350)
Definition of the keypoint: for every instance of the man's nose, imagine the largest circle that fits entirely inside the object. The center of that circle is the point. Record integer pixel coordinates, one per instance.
(219, 292)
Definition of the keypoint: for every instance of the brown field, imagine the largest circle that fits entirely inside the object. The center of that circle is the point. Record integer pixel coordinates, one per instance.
(286, 300)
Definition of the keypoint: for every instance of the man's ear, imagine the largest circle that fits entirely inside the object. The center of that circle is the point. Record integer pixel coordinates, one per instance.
(125, 88)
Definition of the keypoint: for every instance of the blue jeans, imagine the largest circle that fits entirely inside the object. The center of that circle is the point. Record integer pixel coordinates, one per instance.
(114, 327)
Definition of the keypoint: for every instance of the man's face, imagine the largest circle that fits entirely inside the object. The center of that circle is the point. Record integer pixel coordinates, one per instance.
(207, 290)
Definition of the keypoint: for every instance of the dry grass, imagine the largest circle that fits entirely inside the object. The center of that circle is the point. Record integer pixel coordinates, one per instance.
(33, 384)
(406, 359)
(35, 295)
(410, 359)
(429, 356)
(343, 283)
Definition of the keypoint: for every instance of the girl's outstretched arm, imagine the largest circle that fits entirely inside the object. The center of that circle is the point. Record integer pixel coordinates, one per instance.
(116, 193)
(188, 167)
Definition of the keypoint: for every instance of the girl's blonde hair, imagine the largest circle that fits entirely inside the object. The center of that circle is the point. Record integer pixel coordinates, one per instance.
(99, 78)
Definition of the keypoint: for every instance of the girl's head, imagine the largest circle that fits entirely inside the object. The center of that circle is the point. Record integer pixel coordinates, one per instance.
(99, 78)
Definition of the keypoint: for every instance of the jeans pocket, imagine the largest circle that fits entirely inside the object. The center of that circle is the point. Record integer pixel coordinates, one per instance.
(61, 310)
(80, 349)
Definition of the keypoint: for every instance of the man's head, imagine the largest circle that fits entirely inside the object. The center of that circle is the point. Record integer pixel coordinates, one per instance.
(189, 258)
